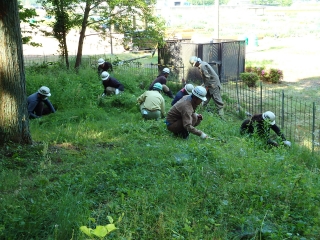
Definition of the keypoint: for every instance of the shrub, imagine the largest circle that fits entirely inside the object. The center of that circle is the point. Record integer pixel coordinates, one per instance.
(275, 75)
(250, 78)
(272, 75)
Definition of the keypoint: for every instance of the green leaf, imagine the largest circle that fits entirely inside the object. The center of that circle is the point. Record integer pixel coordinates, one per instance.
(110, 219)
(110, 227)
(86, 230)
(100, 231)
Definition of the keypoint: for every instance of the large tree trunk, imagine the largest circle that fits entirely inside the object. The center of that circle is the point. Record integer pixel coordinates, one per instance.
(14, 119)
(82, 33)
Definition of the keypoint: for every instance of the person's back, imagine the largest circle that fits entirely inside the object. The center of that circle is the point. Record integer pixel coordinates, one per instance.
(186, 90)
(152, 104)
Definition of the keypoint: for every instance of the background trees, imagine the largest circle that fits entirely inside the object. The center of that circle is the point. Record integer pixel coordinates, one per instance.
(121, 16)
(14, 123)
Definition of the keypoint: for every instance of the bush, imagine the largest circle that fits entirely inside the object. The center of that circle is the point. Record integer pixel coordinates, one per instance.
(275, 75)
(250, 78)
(272, 75)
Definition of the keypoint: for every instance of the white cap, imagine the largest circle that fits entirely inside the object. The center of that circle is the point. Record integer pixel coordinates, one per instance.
(200, 92)
(105, 75)
(189, 87)
(270, 117)
(193, 60)
(166, 70)
(44, 91)
(100, 61)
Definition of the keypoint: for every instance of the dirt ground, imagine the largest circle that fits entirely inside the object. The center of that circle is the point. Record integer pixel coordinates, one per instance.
(297, 57)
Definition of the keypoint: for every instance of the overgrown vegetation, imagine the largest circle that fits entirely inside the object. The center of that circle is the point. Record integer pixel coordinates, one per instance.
(96, 157)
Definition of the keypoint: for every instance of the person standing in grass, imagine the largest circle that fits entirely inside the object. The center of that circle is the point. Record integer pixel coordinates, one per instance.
(211, 82)
(186, 90)
(152, 104)
(104, 66)
(162, 79)
(182, 119)
(261, 124)
(111, 85)
(36, 102)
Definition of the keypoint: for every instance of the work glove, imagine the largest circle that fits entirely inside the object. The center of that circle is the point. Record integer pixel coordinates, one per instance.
(117, 91)
(287, 143)
(203, 135)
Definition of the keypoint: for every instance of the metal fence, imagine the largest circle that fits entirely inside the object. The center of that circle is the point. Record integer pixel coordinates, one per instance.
(299, 120)
(227, 57)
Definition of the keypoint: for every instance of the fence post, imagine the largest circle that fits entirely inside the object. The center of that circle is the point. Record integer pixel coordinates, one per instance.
(260, 96)
(313, 124)
(282, 110)
(238, 95)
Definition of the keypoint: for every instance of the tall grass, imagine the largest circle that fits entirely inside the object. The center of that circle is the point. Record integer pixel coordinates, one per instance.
(96, 157)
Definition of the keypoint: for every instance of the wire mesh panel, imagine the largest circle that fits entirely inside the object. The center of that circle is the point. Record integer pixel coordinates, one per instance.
(227, 57)
(298, 120)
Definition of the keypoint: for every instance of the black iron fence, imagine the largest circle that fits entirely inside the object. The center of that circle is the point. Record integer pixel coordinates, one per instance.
(299, 120)
(227, 57)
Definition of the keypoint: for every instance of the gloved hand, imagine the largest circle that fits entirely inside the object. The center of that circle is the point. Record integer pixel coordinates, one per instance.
(203, 135)
(117, 91)
(287, 143)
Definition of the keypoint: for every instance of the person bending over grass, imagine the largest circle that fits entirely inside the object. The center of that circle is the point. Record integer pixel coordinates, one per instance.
(182, 119)
(261, 124)
(36, 102)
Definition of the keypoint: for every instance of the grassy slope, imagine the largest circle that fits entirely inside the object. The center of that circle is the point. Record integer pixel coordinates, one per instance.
(97, 157)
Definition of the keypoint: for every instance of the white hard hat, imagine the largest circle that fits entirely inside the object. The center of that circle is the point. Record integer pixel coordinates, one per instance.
(166, 70)
(157, 86)
(189, 87)
(193, 60)
(100, 61)
(105, 75)
(44, 91)
(200, 92)
(269, 117)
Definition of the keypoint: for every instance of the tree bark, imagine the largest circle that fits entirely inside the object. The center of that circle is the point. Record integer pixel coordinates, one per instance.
(82, 34)
(14, 118)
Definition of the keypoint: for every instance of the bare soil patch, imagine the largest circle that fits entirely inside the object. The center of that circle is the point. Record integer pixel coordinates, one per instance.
(297, 57)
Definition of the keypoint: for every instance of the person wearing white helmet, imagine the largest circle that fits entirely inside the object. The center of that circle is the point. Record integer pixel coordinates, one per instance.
(261, 124)
(186, 90)
(110, 84)
(211, 82)
(182, 118)
(152, 104)
(104, 66)
(36, 102)
(162, 78)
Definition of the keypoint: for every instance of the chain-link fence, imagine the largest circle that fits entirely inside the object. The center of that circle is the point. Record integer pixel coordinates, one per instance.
(299, 120)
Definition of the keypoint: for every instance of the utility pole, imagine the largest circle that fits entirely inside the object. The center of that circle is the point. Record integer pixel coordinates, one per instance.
(216, 35)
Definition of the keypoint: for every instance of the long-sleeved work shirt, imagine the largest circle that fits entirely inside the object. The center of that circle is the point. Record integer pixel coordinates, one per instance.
(160, 79)
(262, 127)
(209, 76)
(183, 110)
(112, 82)
(34, 100)
(152, 100)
